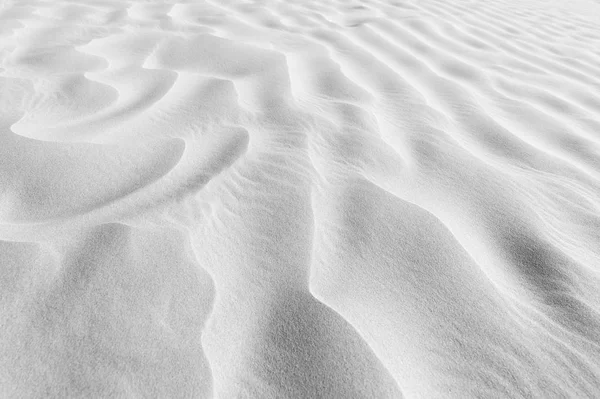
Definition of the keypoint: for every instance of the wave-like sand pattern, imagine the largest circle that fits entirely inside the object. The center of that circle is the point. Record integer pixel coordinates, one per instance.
(312, 199)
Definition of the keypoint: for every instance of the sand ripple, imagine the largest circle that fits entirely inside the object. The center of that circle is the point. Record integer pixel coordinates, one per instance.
(305, 199)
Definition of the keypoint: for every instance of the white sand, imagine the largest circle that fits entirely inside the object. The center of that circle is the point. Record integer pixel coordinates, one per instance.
(299, 199)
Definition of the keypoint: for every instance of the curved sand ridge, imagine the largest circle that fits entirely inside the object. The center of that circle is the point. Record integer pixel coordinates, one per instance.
(311, 199)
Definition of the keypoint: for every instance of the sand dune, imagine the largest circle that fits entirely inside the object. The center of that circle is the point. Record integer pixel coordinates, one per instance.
(306, 199)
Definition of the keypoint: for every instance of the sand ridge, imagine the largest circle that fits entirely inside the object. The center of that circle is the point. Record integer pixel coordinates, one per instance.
(307, 199)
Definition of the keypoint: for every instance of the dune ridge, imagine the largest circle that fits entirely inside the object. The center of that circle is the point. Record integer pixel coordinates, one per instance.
(311, 199)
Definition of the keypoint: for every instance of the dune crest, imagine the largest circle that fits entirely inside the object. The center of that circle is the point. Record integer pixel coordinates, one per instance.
(305, 199)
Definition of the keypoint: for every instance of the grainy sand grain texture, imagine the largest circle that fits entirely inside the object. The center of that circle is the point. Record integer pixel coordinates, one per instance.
(299, 199)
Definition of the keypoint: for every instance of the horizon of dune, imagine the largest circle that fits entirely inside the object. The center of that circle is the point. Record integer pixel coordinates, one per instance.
(299, 199)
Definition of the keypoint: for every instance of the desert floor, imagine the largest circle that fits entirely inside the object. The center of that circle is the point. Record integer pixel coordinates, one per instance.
(299, 199)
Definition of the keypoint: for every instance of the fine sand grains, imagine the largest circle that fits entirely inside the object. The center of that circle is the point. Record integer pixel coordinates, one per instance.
(299, 199)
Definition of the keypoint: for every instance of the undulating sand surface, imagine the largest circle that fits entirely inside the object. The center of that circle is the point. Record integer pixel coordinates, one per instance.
(299, 199)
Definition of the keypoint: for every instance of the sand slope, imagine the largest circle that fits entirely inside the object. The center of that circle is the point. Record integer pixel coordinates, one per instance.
(299, 199)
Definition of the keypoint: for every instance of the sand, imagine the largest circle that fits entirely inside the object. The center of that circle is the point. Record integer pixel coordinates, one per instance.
(299, 199)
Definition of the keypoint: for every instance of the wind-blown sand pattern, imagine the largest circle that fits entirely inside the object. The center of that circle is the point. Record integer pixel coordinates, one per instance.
(299, 199)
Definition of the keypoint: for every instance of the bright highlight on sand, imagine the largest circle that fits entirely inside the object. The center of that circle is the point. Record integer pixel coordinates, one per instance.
(299, 199)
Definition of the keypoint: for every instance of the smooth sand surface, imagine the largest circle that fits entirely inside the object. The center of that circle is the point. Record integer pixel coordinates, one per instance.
(299, 199)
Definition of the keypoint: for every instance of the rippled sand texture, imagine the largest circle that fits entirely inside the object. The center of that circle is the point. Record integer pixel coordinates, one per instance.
(299, 199)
